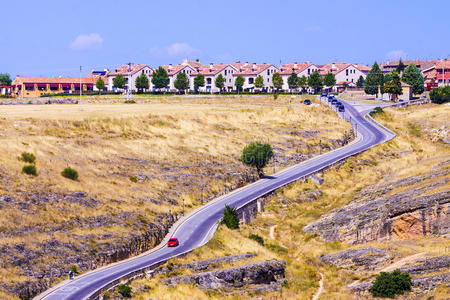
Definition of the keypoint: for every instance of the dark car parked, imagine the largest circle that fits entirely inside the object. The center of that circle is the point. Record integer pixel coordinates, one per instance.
(341, 108)
(334, 101)
(307, 102)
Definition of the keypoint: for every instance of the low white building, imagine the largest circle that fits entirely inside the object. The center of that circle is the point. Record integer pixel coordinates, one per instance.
(251, 70)
(301, 69)
(174, 70)
(134, 71)
(344, 72)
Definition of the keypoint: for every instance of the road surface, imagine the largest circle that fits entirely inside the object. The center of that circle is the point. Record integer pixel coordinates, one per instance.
(198, 227)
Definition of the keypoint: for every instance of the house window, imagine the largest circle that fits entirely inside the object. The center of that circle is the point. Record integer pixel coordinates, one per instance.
(346, 73)
(225, 72)
(250, 80)
(208, 80)
(268, 79)
(268, 72)
(309, 71)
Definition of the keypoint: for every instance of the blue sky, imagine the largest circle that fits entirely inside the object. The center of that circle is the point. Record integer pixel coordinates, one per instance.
(54, 37)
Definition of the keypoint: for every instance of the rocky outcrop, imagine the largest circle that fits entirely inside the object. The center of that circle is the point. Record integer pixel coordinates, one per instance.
(258, 273)
(368, 258)
(428, 265)
(40, 102)
(373, 216)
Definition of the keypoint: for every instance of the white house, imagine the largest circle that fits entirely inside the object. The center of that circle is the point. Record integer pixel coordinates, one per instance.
(301, 69)
(173, 70)
(345, 74)
(251, 70)
(134, 71)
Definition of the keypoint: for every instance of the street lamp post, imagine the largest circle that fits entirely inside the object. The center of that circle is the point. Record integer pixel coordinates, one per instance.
(80, 88)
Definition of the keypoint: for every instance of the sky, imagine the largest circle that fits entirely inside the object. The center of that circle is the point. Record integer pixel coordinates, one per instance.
(54, 37)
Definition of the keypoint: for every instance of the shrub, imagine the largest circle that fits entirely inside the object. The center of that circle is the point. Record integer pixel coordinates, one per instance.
(70, 173)
(230, 217)
(257, 238)
(29, 169)
(440, 95)
(74, 269)
(124, 290)
(277, 248)
(130, 101)
(275, 96)
(28, 157)
(376, 110)
(133, 179)
(391, 284)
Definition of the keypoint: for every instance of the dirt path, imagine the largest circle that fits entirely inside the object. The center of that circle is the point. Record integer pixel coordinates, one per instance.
(320, 290)
(404, 261)
(272, 232)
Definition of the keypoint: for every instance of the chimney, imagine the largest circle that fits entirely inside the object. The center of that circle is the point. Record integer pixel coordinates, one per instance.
(418, 61)
(295, 65)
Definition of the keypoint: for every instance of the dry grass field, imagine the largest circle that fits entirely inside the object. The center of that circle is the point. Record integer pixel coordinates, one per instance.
(137, 164)
(418, 148)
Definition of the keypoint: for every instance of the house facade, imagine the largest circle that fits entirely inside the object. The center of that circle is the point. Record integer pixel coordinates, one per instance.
(212, 71)
(251, 70)
(134, 71)
(437, 75)
(301, 69)
(174, 70)
(38, 86)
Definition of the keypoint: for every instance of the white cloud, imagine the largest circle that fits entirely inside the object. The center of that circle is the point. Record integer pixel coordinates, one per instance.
(175, 49)
(396, 55)
(91, 41)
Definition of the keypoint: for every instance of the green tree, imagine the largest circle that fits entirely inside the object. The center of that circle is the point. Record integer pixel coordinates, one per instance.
(100, 84)
(374, 80)
(277, 81)
(259, 82)
(293, 81)
(5, 79)
(329, 80)
(239, 83)
(303, 82)
(181, 82)
(394, 86)
(440, 95)
(391, 284)
(160, 78)
(119, 81)
(257, 155)
(414, 77)
(142, 82)
(124, 290)
(315, 81)
(199, 81)
(360, 82)
(400, 67)
(220, 82)
(230, 217)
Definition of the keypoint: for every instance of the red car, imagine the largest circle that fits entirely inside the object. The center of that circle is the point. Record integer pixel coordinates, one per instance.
(173, 242)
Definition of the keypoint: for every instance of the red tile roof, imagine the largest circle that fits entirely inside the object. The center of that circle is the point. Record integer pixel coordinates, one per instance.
(44, 80)
(288, 68)
(249, 68)
(212, 69)
(174, 69)
(124, 69)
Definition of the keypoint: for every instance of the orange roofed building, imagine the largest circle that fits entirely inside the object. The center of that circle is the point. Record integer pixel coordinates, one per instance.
(38, 86)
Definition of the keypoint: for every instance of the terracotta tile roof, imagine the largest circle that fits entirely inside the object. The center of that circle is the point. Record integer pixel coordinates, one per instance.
(288, 68)
(124, 70)
(211, 69)
(362, 68)
(43, 80)
(194, 64)
(249, 68)
(174, 69)
(443, 64)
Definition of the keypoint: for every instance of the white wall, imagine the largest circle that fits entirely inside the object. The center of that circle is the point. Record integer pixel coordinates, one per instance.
(351, 74)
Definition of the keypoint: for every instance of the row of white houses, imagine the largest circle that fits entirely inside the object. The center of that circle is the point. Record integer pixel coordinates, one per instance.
(346, 74)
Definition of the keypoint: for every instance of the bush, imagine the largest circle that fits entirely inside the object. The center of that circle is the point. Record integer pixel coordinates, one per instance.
(74, 269)
(230, 217)
(29, 169)
(124, 290)
(440, 95)
(70, 173)
(130, 101)
(257, 238)
(28, 157)
(257, 155)
(133, 179)
(275, 96)
(376, 110)
(391, 284)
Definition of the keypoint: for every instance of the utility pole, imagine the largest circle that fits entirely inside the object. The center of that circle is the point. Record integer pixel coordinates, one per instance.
(80, 87)
(129, 95)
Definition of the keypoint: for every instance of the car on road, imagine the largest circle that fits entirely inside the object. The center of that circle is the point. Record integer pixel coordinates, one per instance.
(341, 108)
(307, 102)
(330, 95)
(173, 242)
(338, 103)
(333, 102)
(324, 94)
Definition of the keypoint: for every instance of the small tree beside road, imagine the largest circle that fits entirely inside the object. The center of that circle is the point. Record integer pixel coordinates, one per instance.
(100, 84)
(230, 217)
(119, 81)
(277, 81)
(374, 81)
(315, 81)
(160, 78)
(181, 82)
(199, 81)
(394, 86)
(329, 80)
(257, 155)
(259, 82)
(239, 83)
(5, 79)
(293, 81)
(142, 82)
(303, 82)
(220, 82)
(360, 82)
(413, 76)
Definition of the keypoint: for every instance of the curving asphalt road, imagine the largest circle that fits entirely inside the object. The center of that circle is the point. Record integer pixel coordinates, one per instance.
(198, 227)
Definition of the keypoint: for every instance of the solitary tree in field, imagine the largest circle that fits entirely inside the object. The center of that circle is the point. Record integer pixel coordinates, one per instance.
(220, 82)
(142, 82)
(257, 155)
(230, 217)
(181, 82)
(199, 81)
(360, 82)
(5, 79)
(413, 76)
(277, 81)
(374, 80)
(329, 80)
(303, 82)
(160, 78)
(259, 82)
(315, 81)
(293, 81)
(100, 84)
(119, 81)
(239, 83)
